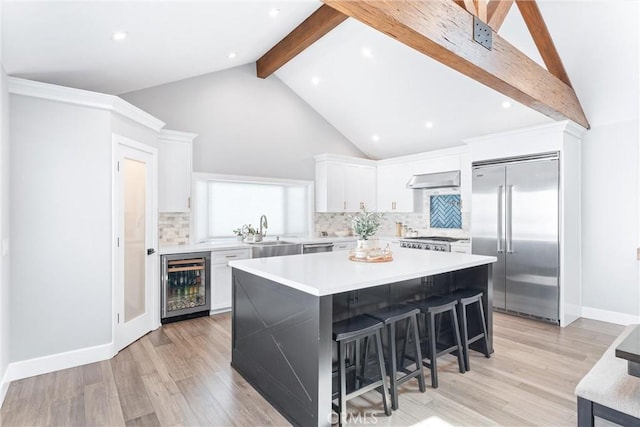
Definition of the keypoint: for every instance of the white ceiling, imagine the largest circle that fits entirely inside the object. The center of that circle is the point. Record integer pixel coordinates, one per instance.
(392, 94)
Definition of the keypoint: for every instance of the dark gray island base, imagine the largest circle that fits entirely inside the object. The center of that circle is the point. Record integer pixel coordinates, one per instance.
(281, 336)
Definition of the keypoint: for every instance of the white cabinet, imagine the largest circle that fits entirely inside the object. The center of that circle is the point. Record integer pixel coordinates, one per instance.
(344, 246)
(345, 184)
(393, 194)
(174, 170)
(221, 277)
(360, 184)
(464, 248)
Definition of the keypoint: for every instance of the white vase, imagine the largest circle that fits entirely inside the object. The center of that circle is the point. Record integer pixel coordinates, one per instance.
(363, 247)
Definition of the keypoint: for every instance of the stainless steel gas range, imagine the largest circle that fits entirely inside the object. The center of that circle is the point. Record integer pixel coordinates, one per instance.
(431, 243)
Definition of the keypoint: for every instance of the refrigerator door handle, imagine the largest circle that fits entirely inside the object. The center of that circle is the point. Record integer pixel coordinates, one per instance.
(500, 249)
(509, 222)
(165, 284)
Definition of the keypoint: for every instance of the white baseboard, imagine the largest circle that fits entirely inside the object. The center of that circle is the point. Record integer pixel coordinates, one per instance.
(609, 316)
(56, 362)
(4, 386)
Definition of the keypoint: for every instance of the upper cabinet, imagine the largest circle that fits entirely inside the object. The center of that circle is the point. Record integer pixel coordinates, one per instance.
(395, 173)
(345, 184)
(174, 170)
(393, 194)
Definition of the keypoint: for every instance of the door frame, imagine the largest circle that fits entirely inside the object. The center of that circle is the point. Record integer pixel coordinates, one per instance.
(154, 310)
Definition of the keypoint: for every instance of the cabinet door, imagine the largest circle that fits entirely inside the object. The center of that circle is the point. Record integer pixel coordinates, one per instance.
(343, 246)
(393, 194)
(353, 186)
(221, 277)
(360, 187)
(385, 200)
(336, 197)
(220, 286)
(174, 176)
(368, 187)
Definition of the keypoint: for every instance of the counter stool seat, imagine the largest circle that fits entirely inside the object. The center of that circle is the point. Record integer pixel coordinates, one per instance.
(353, 330)
(390, 316)
(433, 308)
(466, 298)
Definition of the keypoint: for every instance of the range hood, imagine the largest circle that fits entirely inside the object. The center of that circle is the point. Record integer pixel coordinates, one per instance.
(449, 179)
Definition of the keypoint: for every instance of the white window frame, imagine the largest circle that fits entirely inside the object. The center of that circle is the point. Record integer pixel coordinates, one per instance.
(241, 179)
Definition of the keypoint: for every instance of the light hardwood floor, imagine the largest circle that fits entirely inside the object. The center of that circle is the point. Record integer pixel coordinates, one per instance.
(180, 375)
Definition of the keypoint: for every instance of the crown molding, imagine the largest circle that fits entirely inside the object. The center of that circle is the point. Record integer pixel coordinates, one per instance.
(566, 126)
(346, 159)
(425, 155)
(83, 98)
(177, 136)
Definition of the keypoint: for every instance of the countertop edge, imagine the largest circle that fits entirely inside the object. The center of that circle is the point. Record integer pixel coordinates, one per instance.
(480, 260)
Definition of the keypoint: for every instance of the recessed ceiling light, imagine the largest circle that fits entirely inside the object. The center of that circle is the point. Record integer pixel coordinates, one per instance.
(429, 125)
(232, 55)
(274, 12)
(376, 138)
(506, 104)
(119, 36)
(315, 80)
(367, 53)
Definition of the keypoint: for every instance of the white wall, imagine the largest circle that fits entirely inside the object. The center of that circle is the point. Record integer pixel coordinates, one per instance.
(610, 222)
(61, 227)
(4, 228)
(246, 125)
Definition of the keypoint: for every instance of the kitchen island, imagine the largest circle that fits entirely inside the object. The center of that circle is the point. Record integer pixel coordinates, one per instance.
(284, 308)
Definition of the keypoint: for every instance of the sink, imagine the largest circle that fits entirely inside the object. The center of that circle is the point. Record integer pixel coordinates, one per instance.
(277, 248)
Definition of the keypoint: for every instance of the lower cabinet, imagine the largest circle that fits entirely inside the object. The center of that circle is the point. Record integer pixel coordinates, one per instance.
(344, 246)
(221, 277)
(464, 248)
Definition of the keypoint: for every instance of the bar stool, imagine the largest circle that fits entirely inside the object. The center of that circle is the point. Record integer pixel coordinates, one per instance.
(390, 316)
(432, 307)
(465, 298)
(353, 330)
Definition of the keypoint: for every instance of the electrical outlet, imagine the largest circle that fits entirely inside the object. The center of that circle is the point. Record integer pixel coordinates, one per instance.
(638, 254)
(5, 247)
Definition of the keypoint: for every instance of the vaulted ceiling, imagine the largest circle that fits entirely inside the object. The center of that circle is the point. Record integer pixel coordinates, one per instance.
(376, 91)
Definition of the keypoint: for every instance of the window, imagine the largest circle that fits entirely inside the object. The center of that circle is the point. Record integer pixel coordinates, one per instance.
(224, 203)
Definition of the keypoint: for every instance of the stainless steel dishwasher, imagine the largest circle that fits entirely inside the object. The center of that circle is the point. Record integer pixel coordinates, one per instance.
(312, 248)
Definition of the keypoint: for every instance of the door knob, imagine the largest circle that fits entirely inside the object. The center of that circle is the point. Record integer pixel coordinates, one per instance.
(151, 251)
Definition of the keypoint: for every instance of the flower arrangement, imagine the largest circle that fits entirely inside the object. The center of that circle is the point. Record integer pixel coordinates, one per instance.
(244, 231)
(365, 224)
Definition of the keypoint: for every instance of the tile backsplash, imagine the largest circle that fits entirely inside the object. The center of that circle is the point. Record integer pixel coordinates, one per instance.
(173, 228)
(444, 211)
(332, 222)
(441, 216)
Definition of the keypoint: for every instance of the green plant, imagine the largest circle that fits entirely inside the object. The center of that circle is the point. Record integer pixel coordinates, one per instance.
(244, 230)
(365, 224)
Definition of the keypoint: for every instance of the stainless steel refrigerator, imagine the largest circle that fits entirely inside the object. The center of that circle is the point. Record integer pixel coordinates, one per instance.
(515, 218)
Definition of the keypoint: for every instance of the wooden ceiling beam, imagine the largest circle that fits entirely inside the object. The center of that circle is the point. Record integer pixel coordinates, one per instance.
(323, 20)
(442, 30)
(468, 5)
(481, 9)
(497, 11)
(541, 37)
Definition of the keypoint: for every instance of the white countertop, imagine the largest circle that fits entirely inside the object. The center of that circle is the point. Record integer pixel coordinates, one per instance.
(332, 272)
(223, 244)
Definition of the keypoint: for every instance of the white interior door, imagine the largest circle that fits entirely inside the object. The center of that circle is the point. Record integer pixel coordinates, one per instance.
(136, 310)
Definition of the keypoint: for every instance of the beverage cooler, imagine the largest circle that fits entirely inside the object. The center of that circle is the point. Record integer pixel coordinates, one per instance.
(185, 286)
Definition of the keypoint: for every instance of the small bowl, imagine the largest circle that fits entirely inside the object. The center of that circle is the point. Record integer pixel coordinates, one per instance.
(341, 233)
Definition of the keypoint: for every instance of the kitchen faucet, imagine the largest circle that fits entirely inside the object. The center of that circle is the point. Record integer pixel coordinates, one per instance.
(263, 223)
